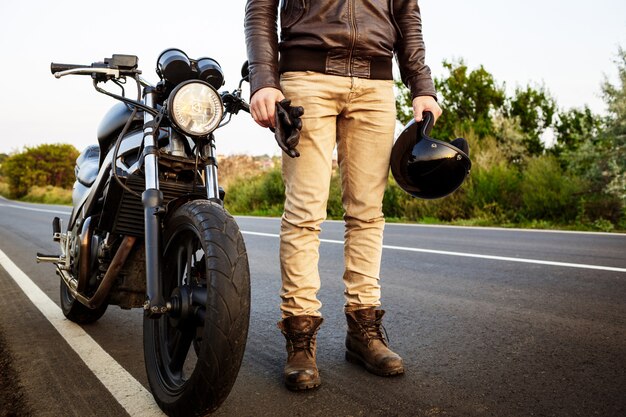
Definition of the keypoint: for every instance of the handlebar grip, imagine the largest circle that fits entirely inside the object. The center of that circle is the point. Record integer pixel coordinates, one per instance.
(54, 67)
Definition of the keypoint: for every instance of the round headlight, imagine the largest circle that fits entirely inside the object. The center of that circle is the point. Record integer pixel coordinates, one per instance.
(195, 108)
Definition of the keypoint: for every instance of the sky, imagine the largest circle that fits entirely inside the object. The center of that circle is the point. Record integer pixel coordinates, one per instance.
(569, 47)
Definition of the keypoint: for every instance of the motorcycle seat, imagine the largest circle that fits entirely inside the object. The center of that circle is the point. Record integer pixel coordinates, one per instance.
(87, 165)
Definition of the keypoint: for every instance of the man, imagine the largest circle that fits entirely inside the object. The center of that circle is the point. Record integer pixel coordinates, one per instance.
(334, 59)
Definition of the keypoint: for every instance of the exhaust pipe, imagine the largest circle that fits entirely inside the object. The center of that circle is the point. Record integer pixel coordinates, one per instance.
(109, 278)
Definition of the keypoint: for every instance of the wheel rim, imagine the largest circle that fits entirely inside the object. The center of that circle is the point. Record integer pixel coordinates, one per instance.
(178, 335)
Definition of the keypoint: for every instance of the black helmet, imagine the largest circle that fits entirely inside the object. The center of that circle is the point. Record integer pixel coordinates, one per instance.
(425, 167)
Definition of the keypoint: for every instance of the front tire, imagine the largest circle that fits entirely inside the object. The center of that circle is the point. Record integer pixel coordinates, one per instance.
(193, 354)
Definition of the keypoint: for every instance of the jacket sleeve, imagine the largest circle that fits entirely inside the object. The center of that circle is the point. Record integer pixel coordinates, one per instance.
(262, 43)
(410, 49)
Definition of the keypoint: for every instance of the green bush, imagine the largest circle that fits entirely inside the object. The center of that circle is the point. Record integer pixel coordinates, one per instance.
(493, 193)
(535, 192)
(262, 194)
(547, 193)
(447, 209)
(394, 200)
(47, 164)
(334, 207)
(593, 208)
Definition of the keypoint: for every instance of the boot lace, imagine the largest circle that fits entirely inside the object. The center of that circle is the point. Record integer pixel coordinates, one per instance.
(300, 342)
(374, 330)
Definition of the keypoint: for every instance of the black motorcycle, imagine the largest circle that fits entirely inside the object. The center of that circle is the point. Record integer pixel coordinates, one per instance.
(149, 229)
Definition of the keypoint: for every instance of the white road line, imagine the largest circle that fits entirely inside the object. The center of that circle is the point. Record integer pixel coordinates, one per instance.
(36, 209)
(479, 228)
(472, 255)
(131, 395)
(440, 252)
(444, 226)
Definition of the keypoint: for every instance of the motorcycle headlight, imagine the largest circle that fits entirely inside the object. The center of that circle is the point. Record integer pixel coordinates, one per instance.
(195, 108)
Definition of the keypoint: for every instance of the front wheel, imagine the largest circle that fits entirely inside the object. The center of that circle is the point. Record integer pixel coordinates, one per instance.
(194, 352)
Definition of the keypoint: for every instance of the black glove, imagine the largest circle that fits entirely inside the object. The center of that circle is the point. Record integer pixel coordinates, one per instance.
(288, 126)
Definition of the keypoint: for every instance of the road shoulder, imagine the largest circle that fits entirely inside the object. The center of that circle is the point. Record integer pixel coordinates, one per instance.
(54, 380)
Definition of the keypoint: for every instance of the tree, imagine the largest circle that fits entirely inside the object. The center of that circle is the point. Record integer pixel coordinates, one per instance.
(600, 159)
(469, 98)
(47, 164)
(3, 157)
(404, 104)
(535, 109)
(575, 126)
(615, 140)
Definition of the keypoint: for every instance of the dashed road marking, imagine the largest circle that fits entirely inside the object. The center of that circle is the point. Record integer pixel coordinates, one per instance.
(35, 209)
(471, 255)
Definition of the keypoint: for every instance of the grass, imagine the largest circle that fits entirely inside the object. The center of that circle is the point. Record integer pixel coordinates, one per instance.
(43, 195)
(49, 195)
(4, 189)
(56, 195)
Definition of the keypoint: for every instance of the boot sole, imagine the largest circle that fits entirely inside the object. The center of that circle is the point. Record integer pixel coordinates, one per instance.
(305, 386)
(356, 359)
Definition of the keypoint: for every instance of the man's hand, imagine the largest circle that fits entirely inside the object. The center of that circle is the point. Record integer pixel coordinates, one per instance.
(425, 103)
(263, 106)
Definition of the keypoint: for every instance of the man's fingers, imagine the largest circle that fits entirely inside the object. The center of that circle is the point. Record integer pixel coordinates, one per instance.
(259, 114)
(258, 118)
(419, 112)
(262, 106)
(425, 103)
(268, 113)
(264, 115)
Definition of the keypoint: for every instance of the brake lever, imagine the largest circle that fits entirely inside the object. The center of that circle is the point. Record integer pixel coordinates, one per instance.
(115, 73)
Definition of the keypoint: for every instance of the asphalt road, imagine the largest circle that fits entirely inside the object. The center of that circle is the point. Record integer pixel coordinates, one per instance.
(490, 322)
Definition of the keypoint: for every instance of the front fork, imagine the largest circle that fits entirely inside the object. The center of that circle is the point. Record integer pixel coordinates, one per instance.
(152, 199)
(210, 172)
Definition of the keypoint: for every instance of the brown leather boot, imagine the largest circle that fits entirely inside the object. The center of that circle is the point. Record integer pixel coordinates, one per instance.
(366, 345)
(301, 370)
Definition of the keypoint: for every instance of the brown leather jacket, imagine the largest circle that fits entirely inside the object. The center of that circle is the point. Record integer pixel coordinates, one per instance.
(341, 37)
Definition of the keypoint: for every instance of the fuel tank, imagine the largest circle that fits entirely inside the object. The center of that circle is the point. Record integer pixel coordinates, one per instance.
(113, 122)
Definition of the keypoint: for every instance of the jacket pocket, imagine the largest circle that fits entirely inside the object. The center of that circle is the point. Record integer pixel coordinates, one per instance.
(290, 12)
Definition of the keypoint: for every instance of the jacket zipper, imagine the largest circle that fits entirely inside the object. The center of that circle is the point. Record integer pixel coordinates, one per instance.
(353, 29)
(393, 19)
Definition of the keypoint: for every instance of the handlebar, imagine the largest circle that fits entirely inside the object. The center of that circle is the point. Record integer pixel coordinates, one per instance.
(55, 67)
(115, 67)
(233, 102)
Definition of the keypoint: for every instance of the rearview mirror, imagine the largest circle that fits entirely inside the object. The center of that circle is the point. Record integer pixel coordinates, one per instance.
(245, 71)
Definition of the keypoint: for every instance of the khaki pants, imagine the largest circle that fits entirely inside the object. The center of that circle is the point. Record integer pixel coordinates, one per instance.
(358, 116)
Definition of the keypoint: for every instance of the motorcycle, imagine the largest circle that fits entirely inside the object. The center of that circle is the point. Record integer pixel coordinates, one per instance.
(149, 229)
